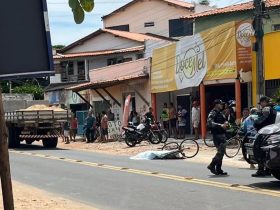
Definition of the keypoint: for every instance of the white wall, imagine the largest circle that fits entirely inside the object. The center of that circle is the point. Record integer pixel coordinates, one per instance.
(147, 11)
(101, 61)
(119, 91)
(104, 41)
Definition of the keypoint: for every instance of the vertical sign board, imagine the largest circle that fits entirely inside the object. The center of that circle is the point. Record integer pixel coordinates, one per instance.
(25, 46)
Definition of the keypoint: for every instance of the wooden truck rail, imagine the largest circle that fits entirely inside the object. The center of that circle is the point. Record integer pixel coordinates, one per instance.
(42, 116)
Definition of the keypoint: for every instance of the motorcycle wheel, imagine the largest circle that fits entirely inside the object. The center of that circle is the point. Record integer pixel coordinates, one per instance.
(164, 136)
(276, 173)
(155, 138)
(130, 141)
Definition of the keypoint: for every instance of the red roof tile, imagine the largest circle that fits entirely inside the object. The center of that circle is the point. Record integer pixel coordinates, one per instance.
(232, 8)
(172, 2)
(133, 36)
(98, 53)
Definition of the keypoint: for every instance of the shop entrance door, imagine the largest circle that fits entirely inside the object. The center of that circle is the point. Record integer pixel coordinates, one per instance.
(185, 102)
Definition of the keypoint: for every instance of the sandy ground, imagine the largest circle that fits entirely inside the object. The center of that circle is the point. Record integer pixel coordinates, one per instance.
(120, 148)
(30, 198)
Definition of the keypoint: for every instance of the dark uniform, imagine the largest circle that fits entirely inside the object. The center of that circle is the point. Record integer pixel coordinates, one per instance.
(267, 116)
(215, 121)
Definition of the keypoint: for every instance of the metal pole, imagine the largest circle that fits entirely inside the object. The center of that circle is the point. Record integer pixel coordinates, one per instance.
(6, 181)
(259, 33)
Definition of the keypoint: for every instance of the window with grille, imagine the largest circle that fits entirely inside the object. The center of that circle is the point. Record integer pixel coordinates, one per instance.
(180, 27)
(70, 68)
(81, 70)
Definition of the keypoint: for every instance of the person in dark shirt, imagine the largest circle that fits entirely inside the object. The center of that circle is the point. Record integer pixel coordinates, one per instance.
(149, 116)
(90, 127)
(266, 117)
(218, 124)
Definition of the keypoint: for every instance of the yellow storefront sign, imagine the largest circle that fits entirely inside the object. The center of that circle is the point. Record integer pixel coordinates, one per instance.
(209, 55)
(163, 77)
(221, 52)
(272, 56)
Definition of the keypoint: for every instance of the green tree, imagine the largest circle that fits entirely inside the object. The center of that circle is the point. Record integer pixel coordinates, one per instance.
(30, 88)
(58, 47)
(79, 7)
(5, 86)
(204, 2)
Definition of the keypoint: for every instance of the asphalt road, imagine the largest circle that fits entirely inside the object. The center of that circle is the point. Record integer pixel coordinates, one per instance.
(116, 182)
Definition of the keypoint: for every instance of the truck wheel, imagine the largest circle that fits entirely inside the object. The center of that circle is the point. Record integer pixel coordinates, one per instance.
(276, 173)
(50, 143)
(13, 138)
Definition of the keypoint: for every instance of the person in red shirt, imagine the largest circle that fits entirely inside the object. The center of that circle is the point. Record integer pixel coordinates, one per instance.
(104, 127)
(73, 128)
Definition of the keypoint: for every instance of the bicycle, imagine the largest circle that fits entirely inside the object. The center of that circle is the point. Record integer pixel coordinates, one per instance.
(189, 148)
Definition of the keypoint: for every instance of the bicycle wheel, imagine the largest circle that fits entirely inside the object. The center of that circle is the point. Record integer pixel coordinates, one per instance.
(209, 142)
(171, 146)
(233, 146)
(164, 136)
(189, 148)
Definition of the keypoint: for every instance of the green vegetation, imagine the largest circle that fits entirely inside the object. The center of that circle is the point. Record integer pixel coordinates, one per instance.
(79, 7)
(204, 2)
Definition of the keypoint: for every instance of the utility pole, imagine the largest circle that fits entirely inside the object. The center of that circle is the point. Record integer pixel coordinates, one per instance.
(259, 33)
(5, 173)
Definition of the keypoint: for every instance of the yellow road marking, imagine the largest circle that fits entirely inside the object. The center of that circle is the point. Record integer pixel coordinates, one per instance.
(234, 187)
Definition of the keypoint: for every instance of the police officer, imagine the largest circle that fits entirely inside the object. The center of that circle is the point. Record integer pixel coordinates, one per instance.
(217, 123)
(266, 117)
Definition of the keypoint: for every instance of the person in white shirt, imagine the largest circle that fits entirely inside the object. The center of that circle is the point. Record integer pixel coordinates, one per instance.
(196, 119)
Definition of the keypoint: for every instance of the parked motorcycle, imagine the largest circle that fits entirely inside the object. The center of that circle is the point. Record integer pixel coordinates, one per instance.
(136, 134)
(157, 127)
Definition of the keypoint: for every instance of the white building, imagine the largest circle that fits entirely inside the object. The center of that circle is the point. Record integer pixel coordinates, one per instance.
(161, 17)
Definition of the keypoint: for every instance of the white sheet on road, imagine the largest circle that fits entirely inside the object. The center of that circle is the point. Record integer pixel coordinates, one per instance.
(155, 155)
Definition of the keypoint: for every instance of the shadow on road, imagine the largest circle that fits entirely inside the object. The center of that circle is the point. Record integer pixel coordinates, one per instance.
(35, 147)
(272, 185)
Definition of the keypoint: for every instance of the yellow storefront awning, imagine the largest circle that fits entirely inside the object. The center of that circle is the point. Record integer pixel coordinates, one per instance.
(272, 56)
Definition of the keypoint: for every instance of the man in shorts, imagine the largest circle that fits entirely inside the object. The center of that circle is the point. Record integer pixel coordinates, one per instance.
(104, 127)
(173, 120)
(73, 128)
(66, 132)
(195, 119)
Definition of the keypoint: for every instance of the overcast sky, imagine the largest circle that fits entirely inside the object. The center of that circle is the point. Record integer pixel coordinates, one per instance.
(65, 31)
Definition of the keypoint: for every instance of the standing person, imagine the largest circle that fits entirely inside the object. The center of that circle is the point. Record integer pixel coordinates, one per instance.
(165, 117)
(247, 126)
(66, 129)
(111, 115)
(135, 118)
(266, 117)
(217, 123)
(196, 119)
(90, 127)
(173, 120)
(245, 114)
(104, 127)
(181, 114)
(73, 128)
(149, 116)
